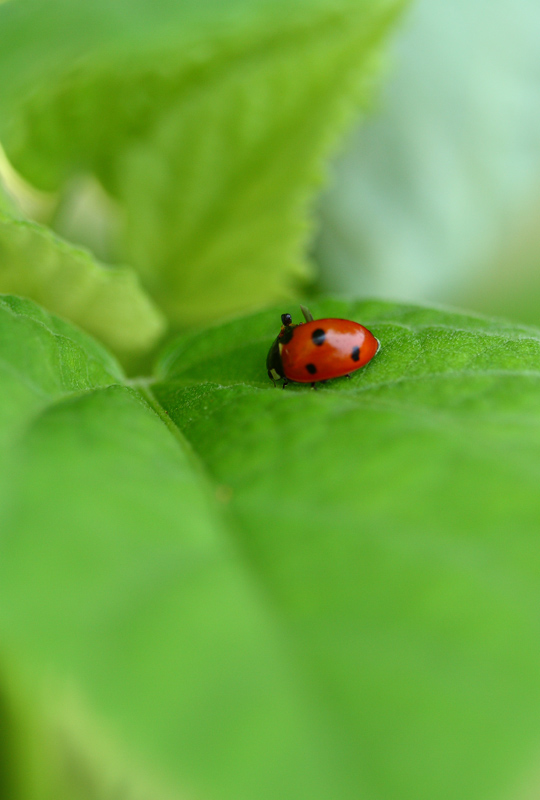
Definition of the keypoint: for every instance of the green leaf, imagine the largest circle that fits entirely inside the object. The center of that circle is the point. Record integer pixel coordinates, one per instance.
(5, 204)
(107, 302)
(121, 586)
(209, 123)
(393, 520)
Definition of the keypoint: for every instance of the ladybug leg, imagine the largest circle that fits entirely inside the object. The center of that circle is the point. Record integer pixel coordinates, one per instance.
(347, 376)
(285, 382)
(314, 386)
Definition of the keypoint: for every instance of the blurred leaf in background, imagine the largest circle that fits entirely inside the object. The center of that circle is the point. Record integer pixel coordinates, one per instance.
(208, 122)
(438, 195)
(5, 203)
(107, 302)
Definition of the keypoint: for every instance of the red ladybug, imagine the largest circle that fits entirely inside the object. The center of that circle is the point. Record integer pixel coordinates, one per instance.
(319, 349)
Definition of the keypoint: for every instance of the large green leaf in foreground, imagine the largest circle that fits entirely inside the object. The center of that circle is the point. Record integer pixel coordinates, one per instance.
(394, 521)
(359, 620)
(209, 122)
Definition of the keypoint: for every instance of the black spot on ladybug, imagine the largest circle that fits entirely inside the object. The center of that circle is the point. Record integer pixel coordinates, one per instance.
(318, 336)
(311, 368)
(355, 355)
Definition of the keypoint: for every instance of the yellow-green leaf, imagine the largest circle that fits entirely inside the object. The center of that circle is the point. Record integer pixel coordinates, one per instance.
(108, 302)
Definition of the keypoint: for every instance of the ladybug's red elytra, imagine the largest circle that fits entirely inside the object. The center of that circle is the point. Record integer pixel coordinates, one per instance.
(320, 349)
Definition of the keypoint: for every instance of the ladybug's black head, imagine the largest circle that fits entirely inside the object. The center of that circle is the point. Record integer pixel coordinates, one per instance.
(286, 319)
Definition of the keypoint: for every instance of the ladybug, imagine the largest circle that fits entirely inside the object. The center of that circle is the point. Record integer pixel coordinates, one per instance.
(320, 349)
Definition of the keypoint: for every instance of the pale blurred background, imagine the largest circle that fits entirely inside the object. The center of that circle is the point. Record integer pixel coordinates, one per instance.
(437, 194)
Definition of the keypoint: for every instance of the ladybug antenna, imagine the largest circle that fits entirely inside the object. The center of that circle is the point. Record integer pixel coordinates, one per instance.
(286, 319)
(308, 316)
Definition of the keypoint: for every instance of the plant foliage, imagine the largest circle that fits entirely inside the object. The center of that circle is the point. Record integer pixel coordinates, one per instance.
(208, 122)
(210, 587)
(313, 593)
